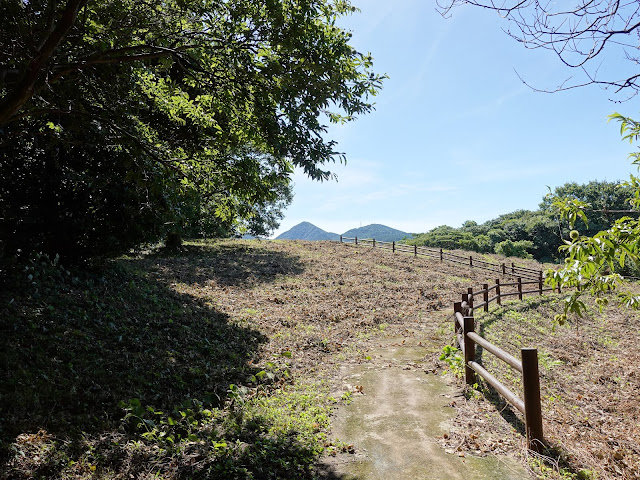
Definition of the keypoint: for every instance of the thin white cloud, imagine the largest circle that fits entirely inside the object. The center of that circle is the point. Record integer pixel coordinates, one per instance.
(491, 106)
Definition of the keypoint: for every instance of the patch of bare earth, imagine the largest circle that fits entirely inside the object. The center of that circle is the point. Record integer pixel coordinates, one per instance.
(340, 298)
(316, 298)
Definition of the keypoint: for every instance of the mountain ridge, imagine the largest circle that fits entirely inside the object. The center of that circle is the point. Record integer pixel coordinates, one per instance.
(377, 231)
(309, 231)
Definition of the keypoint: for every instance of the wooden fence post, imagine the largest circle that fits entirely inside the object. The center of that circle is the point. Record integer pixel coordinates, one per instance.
(513, 268)
(374, 243)
(532, 407)
(393, 247)
(519, 280)
(469, 350)
(470, 297)
(470, 261)
(540, 282)
(356, 240)
(457, 308)
(441, 259)
(498, 299)
(504, 269)
(340, 238)
(415, 250)
(485, 287)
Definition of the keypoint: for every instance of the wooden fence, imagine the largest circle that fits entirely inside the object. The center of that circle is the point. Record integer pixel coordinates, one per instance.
(468, 339)
(444, 256)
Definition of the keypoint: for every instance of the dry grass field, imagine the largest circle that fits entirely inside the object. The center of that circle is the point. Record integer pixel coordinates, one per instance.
(217, 362)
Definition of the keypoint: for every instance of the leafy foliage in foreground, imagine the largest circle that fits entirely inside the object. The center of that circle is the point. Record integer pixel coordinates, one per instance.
(594, 264)
(120, 121)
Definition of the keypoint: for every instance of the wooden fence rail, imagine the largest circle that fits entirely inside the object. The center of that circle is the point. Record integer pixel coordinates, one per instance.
(530, 406)
(468, 339)
(471, 261)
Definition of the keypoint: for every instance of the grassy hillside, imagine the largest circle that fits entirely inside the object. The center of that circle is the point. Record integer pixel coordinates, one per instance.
(217, 362)
(211, 363)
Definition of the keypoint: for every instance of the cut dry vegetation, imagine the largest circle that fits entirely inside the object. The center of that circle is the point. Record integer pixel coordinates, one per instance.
(217, 362)
(590, 385)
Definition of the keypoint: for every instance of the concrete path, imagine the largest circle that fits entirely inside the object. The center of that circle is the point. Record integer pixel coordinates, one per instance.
(396, 420)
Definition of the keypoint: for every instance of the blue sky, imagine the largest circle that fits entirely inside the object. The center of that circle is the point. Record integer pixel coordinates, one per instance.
(456, 135)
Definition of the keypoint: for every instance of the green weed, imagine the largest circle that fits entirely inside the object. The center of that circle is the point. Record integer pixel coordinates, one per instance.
(453, 358)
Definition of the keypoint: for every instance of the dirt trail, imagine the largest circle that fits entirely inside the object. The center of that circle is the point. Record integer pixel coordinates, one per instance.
(396, 420)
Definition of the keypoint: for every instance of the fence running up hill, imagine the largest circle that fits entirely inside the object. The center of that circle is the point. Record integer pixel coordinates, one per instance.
(444, 256)
(468, 339)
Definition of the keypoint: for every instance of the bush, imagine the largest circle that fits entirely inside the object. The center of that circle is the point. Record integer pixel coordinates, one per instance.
(514, 249)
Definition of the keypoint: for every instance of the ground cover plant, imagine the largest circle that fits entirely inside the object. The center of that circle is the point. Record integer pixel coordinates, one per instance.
(214, 361)
(217, 361)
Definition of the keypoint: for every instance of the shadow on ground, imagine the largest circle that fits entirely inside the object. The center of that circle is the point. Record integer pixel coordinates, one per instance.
(81, 353)
(226, 264)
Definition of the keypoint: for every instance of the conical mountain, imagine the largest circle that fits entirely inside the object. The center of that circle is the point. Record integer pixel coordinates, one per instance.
(307, 231)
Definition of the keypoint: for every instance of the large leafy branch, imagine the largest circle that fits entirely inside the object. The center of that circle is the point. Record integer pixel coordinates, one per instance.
(593, 263)
(198, 101)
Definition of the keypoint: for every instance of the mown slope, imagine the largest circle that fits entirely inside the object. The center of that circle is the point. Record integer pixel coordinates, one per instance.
(209, 363)
(217, 362)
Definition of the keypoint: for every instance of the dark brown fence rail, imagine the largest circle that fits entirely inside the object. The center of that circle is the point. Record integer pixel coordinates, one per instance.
(468, 339)
(444, 256)
(528, 281)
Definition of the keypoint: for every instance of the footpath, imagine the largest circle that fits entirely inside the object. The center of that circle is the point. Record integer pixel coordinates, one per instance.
(394, 419)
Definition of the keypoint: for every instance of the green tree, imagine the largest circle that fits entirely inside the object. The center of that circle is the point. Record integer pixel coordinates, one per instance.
(451, 238)
(608, 202)
(593, 263)
(119, 118)
(514, 249)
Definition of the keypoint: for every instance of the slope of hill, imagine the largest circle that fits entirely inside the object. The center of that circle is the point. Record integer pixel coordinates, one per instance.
(253, 333)
(307, 231)
(377, 231)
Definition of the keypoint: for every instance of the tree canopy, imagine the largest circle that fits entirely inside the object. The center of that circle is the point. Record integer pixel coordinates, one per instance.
(540, 233)
(120, 120)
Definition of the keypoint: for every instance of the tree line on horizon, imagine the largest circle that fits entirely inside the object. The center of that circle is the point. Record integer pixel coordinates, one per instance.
(536, 234)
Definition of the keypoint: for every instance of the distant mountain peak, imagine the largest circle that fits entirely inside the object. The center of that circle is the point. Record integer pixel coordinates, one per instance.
(307, 231)
(377, 231)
